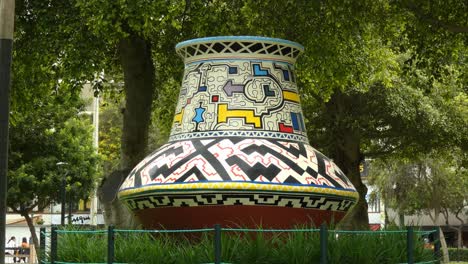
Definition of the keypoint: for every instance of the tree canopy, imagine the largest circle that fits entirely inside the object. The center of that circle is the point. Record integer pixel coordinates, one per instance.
(39, 139)
(432, 184)
(377, 77)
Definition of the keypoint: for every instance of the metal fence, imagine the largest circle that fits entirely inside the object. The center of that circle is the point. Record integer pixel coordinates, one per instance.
(48, 255)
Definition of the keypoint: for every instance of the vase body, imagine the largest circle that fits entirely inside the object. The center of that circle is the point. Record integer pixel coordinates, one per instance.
(238, 153)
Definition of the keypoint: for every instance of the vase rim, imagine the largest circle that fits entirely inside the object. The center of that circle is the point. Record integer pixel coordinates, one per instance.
(239, 47)
(238, 38)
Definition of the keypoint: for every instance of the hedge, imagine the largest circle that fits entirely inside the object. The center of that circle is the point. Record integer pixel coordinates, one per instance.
(456, 254)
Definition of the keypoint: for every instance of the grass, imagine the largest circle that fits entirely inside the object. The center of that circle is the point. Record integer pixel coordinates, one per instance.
(240, 248)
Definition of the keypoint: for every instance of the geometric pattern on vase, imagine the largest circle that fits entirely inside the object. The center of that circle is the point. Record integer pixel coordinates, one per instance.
(207, 198)
(239, 95)
(238, 139)
(238, 160)
(241, 133)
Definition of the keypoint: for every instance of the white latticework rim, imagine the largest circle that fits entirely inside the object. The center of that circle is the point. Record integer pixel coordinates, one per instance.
(243, 47)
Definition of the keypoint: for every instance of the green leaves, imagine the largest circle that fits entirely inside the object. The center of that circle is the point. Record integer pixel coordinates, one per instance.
(392, 74)
(425, 183)
(41, 138)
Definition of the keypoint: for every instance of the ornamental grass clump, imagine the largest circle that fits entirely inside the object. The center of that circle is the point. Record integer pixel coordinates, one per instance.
(82, 247)
(140, 247)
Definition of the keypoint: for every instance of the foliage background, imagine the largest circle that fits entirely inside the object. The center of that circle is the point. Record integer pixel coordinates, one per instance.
(378, 78)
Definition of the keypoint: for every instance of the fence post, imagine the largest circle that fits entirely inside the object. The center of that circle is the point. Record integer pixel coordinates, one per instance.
(410, 244)
(110, 244)
(323, 243)
(42, 243)
(53, 245)
(437, 244)
(217, 244)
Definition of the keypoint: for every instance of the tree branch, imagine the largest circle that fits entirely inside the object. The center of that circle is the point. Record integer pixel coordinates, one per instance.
(316, 97)
(184, 14)
(445, 213)
(23, 210)
(15, 210)
(386, 149)
(458, 216)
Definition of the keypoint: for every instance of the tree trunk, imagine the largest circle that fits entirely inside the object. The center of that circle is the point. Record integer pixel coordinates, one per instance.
(348, 160)
(346, 153)
(139, 74)
(401, 221)
(459, 231)
(460, 227)
(386, 220)
(460, 237)
(137, 64)
(32, 229)
(443, 244)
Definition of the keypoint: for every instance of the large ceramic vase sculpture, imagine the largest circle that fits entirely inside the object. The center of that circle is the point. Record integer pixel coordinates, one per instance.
(238, 153)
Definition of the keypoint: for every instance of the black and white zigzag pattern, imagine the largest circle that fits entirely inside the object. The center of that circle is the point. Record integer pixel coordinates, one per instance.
(240, 198)
(237, 159)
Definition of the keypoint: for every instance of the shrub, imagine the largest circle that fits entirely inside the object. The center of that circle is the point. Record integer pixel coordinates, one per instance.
(458, 254)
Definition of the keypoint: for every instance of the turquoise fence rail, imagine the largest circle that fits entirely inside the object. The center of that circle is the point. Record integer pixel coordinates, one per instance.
(51, 255)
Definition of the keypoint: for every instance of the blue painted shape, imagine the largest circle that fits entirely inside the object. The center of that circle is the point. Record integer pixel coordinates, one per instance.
(258, 71)
(301, 121)
(268, 92)
(202, 89)
(294, 121)
(199, 115)
(232, 70)
(286, 75)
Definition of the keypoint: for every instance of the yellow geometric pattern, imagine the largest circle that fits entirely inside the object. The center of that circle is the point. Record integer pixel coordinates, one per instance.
(249, 115)
(178, 117)
(291, 96)
(226, 186)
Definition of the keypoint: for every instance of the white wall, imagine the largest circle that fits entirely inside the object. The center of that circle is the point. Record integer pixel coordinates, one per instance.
(375, 218)
(424, 220)
(19, 232)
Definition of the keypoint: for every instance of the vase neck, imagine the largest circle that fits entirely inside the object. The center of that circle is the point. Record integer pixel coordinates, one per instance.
(247, 98)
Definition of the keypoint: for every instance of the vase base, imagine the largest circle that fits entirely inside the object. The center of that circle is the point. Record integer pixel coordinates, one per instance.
(266, 217)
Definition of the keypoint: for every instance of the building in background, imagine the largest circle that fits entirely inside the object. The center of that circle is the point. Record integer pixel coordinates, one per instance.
(379, 215)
